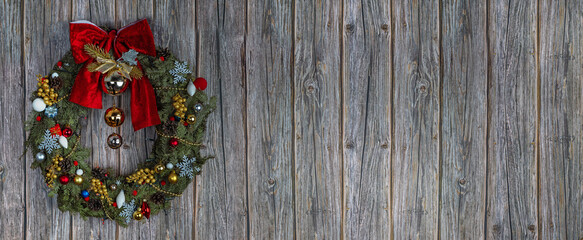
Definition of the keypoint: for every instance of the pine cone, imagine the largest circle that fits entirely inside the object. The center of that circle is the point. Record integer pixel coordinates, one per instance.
(169, 128)
(56, 83)
(94, 205)
(163, 52)
(158, 198)
(65, 165)
(99, 173)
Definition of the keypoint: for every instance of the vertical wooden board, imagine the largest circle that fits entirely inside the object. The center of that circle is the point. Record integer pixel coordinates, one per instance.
(463, 123)
(135, 148)
(46, 34)
(366, 119)
(221, 201)
(12, 104)
(317, 122)
(561, 151)
(94, 131)
(512, 165)
(173, 26)
(269, 126)
(415, 165)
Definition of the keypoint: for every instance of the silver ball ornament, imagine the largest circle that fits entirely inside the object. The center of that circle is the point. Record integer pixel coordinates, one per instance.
(40, 156)
(79, 172)
(197, 107)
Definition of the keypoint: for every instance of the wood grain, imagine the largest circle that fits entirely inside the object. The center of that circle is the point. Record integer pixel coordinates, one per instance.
(512, 165)
(221, 199)
(561, 167)
(463, 125)
(317, 117)
(366, 119)
(44, 46)
(270, 176)
(13, 169)
(415, 159)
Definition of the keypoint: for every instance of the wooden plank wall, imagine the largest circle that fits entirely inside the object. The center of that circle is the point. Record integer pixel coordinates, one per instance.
(380, 119)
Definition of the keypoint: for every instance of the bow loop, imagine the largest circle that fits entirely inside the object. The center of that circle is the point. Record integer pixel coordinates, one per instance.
(137, 36)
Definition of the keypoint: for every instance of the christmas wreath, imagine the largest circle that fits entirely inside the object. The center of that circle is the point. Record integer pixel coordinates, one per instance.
(162, 87)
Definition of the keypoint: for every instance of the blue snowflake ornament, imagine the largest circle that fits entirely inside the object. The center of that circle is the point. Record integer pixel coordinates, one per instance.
(49, 142)
(51, 111)
(179, 72)
(128, 210)
(185, 167)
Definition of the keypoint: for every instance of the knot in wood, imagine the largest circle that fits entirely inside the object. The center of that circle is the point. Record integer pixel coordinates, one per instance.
(310, 85)
(349, 144)
(423, 87)
(271, 181)
(385, 27)
(462, 181)
(531, 227)
(349, 28)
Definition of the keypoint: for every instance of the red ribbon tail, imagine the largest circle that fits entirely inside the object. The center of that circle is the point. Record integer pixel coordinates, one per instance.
(143, 104)
(85, 91)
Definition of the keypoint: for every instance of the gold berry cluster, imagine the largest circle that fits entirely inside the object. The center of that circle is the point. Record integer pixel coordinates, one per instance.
(44, 91)
(144, 175)
(100, 189)
(179, 105)
(51, 171)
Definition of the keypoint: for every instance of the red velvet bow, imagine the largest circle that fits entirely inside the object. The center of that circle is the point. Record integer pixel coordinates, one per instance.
(85, 92)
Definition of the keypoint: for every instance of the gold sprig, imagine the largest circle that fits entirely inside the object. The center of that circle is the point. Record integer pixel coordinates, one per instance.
(169, 193)
(51, 172)
(107, 65)
(144, 175)
(100, 189)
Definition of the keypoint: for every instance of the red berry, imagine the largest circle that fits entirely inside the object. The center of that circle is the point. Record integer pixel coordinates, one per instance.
(163, 183)
(135, 193)
(173, 142)
(162, 59)
(75, 163)
(38, 118)
(185, 124)
(59, 64)
(114, 204)
(172, 118)
(200, 83)
(86, 199)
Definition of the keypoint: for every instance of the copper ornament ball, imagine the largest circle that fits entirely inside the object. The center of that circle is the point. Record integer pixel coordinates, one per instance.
(114, 117)
(114, 141)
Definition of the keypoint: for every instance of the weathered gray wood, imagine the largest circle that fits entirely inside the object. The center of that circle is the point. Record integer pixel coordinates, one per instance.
(366, 119)
(462, 191)
(270, 177)
(512, 167)
(415, 159)
(317, 118)
(561, 151)
(44, 45)
(174, 26)
(13, 106)
(94, 133)
(221, 199)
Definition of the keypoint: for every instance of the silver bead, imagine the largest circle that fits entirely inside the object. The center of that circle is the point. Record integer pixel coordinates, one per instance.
(169, 165)
(79, 172)
(40, 156)
(113, 187)
(197, 107)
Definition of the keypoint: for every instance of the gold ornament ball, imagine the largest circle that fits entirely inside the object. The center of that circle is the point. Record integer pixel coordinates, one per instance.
(138, 215)
(191, 119)
(114, 117)
(78, 180)
(160, 168)
(173, 177)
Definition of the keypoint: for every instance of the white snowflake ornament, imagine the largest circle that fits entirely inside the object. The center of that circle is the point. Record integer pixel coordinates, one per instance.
(49, 142)
(179, 72)
(186, 167)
